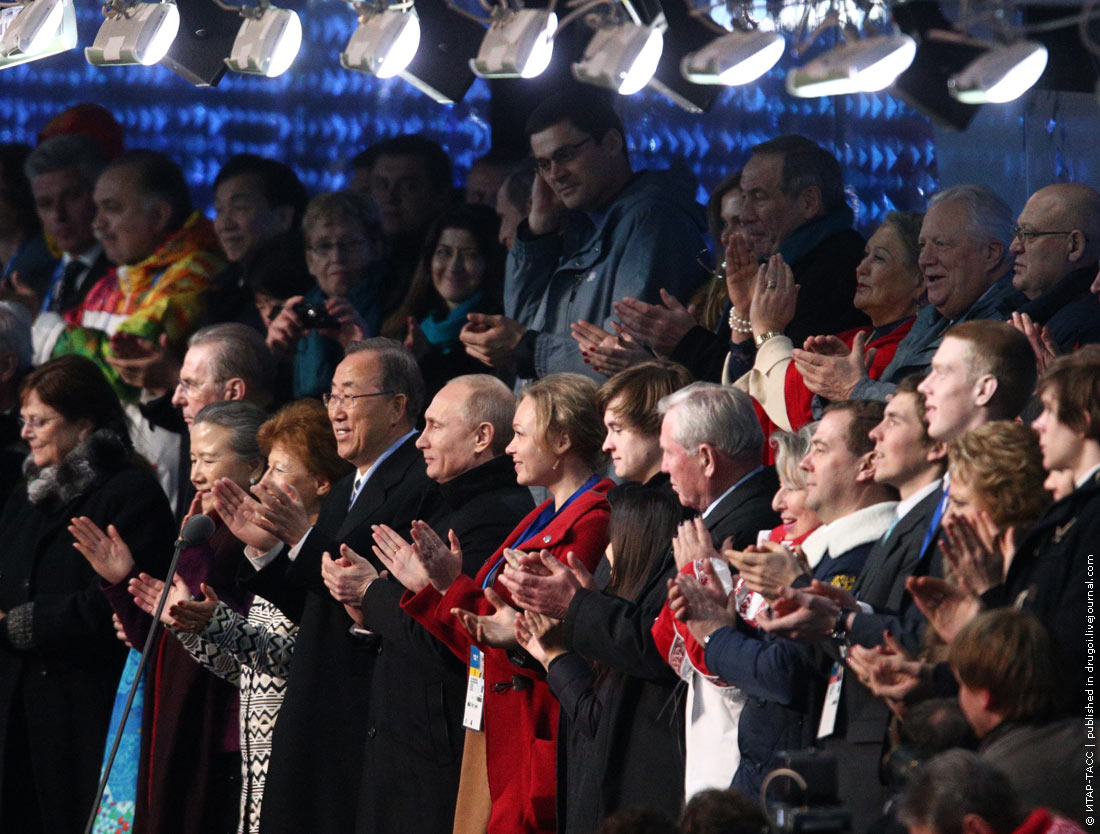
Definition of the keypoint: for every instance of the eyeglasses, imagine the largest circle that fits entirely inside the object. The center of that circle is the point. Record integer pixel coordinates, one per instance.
(190, 388)
(34, 423)
(1026, 235)
(563, 155)
(344, 400)
(328, 248)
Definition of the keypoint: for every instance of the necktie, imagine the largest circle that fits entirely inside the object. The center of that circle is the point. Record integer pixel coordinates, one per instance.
(63, 299)
(355, 490)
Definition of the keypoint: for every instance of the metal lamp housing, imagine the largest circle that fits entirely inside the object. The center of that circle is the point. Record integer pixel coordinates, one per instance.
(40, 29)
(383, 44)
(267, 45)
(621, 56)
(862, 66)
(1004, 73)
(141, 34)
(735, 58)
(519, 44)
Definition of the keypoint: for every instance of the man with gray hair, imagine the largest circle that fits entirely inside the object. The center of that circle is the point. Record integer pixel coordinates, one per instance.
(966, 258)
(62, 172)
(223, 362)
(15, 362)
(711, 445)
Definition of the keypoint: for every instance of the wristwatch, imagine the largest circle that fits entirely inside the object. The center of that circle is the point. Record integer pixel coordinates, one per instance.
(840, 626)
(763, 337)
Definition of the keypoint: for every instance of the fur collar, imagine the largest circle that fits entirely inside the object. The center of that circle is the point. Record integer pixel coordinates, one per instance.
(94, 459)
(849, 532)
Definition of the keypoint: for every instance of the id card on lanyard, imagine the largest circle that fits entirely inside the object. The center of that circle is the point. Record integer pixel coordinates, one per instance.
(475, 691)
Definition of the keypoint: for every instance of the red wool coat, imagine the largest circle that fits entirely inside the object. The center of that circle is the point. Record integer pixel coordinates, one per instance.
(520, 716)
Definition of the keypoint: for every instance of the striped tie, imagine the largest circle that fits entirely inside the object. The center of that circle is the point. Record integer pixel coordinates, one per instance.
(355, 490)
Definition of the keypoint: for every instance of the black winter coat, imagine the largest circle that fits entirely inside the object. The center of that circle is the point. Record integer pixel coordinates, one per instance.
(62, 684)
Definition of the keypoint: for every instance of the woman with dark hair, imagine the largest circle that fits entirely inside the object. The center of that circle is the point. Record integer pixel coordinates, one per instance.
(189, 767)
(253, 653)
(639, 517)
(461, 271)
(59, 659)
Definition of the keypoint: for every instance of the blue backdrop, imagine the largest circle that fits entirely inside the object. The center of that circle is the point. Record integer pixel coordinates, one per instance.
(318, 115)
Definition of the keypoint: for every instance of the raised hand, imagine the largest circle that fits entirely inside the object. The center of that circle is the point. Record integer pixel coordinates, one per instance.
(497, 629)
(539, 636)
(147, 590)
(347, 578)
(834, 377)
(239, 511)
(1038, 336)
(107, 553)
(403, 560)
(353, 327)
(774, 298)
(978, 554)
(193, 615)
(286, 328)
(443, 561)
(607, 353)
(491, 338)
(806, 616)
(766, 568)
(281, 512)
(547, 209)
(143, 363)
(693, 542)
(661, 326)
(946, 606)
(704, 606)
(742, 271)
(546, 586)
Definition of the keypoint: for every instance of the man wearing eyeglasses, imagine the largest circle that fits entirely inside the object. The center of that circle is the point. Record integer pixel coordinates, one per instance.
(318, 747)
(597, 231)
(1056, 242)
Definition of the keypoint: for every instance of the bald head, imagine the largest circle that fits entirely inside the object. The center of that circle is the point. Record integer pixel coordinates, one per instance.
(1060, 227)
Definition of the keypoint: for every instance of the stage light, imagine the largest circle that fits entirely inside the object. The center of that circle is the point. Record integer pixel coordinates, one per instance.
(857, 66)
(267, 43)
(384, 42)
(38, 30)
(735, 58)
(519, 44)
(621, 56)
(1004, 73)
(134, 33)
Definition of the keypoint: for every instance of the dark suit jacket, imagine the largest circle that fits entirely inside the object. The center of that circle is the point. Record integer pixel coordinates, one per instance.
(890, 563)
(317, 749)
(414, 712)
(641, 727)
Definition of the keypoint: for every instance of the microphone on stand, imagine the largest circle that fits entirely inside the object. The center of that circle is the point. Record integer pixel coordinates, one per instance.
(196, 530)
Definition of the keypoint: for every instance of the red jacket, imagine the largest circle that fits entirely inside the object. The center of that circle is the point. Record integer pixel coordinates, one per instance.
(520, 714)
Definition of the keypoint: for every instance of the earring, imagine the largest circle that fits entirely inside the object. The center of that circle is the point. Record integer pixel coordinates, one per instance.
(556, 462)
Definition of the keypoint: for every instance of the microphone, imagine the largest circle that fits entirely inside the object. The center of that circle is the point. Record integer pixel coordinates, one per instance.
(196, 530)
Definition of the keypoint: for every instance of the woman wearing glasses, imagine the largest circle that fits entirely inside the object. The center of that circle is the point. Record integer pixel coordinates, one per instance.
(341, 231)
(59, 660)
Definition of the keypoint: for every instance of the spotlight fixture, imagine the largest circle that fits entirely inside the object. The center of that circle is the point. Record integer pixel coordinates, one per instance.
(385, 41)
(38, 29)
(621, 56)
(134, 33)
(1004, 73)
(519, 43)
(735, 58)
(268, 41)
(856, 66)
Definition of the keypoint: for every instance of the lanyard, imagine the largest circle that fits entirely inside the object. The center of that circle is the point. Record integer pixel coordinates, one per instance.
(542, 520)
